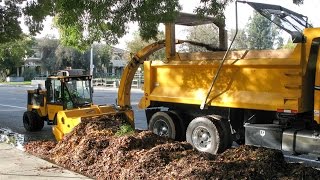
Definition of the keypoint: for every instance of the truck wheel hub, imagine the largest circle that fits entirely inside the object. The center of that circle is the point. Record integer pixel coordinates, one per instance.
(161, 128)
(201, 138)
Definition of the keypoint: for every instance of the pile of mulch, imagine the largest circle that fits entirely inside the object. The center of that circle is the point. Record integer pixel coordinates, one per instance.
(94, 150)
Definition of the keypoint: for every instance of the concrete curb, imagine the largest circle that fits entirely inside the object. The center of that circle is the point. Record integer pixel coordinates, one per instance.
(16, 164)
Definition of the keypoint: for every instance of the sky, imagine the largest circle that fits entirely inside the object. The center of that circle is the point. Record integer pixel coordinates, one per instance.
(309, 9)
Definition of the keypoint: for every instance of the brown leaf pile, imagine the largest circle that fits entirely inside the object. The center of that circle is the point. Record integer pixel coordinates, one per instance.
(92, 149)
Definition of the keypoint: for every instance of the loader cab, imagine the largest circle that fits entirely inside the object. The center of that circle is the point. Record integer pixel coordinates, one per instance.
(69, 92)
(65, 92)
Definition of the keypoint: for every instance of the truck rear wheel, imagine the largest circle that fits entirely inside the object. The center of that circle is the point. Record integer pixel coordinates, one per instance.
(225, 125)
(163, 124)
(32, 122)
(206, 134)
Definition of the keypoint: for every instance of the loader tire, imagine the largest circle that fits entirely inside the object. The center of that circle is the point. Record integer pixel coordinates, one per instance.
(40, 123)
(32, 122)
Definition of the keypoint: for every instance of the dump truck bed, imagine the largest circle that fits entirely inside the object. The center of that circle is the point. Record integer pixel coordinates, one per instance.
(252, 79)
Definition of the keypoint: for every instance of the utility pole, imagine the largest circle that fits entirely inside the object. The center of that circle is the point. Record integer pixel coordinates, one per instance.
(91, 66)
(91, 62)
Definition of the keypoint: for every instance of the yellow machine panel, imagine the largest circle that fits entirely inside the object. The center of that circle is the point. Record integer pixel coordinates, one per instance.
(68, 119)
(262, 80)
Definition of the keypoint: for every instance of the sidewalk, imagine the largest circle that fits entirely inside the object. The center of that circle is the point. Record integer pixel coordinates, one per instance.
(133, 89)
(17, 85)
(16, 164)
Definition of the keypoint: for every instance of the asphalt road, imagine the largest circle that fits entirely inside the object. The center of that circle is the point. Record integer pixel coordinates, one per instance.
(13, 101)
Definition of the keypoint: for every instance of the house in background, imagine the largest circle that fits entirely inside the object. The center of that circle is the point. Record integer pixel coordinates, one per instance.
(114, 69)
(117, 62)
(34, 62)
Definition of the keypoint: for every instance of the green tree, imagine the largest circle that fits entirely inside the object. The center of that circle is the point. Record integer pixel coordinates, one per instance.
(12, 54)
(81, 22)
(137, 43)
(70, 57)
(241, 41)
(207, 34)
(9, 24)
(101, 58)
(262, 33)
(48, 47)
(289, 45)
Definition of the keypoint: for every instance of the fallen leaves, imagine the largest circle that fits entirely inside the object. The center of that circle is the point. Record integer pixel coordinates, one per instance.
(94, 150)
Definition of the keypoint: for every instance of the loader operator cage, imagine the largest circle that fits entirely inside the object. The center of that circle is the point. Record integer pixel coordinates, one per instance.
(79, 92)
(71, 91)
(288, 20)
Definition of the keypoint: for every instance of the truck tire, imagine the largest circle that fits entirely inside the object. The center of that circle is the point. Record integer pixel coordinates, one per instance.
(224, 123)
(206, 135)
(32, 122)
(162, 123)
(179, 124)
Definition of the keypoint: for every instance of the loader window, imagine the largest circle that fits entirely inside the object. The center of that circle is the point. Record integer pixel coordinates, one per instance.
(54, 91)
(78, 92)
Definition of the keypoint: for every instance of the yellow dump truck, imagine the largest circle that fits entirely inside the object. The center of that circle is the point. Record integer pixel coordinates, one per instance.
(267, 98)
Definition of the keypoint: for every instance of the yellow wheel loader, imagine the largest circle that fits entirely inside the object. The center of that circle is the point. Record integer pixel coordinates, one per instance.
(67, 97)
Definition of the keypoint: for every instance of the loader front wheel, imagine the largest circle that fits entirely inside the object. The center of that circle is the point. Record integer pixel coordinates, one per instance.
(162, 124)
(32, 122)
(40, 123)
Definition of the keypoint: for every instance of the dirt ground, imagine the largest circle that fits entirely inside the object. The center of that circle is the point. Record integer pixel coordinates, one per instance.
(94, 150)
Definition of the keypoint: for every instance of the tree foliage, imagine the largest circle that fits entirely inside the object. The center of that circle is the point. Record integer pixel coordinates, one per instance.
(9, 24)
(289, 45)
(207, 34)
(82, 22)
(56, 56)
(262, 33)
(241, 40)
(137, 43)
(102, 55)
(12, 54)
(48, 48)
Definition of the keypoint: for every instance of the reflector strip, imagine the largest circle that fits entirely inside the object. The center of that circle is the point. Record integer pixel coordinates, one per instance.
(287, 111)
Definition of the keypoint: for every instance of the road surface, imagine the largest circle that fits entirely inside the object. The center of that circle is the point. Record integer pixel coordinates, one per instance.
(13, 101)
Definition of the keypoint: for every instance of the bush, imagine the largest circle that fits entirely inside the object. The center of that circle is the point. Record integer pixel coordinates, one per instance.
(29, 74)
(124, 130)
